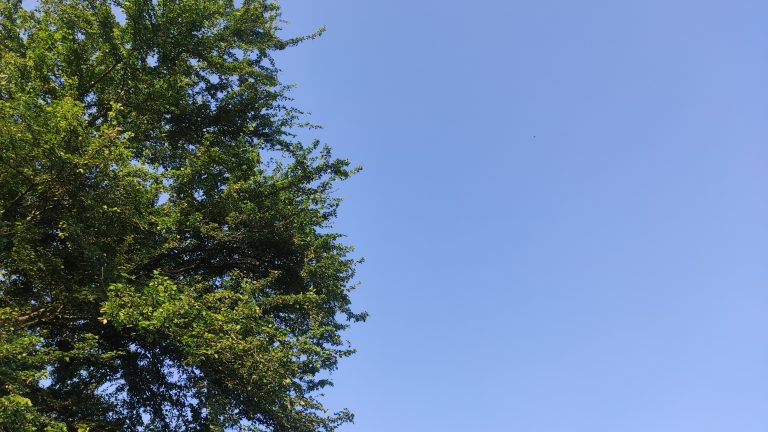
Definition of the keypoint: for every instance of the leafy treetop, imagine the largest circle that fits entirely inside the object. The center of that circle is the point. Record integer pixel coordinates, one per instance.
(166, 258)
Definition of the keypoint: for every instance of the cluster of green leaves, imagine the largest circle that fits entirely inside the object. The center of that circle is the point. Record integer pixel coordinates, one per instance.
(166, 261)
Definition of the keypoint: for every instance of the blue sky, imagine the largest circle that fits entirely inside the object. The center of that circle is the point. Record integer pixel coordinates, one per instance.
(564, 210)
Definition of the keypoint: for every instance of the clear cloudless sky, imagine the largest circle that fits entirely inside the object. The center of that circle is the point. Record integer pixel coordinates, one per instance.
(564, 210)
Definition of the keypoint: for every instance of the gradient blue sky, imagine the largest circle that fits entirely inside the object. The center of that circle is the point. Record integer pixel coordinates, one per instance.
(610, 274)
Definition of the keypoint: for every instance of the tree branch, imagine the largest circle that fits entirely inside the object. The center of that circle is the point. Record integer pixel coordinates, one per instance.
(100, 78)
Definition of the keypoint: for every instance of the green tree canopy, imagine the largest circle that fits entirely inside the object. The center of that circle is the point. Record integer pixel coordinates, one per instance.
(166, 254)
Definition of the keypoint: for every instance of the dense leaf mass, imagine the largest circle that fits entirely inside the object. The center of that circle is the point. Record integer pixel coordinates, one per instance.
(166, 258)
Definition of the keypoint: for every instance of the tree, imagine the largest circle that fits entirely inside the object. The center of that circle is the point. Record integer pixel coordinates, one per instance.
(166, 254)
